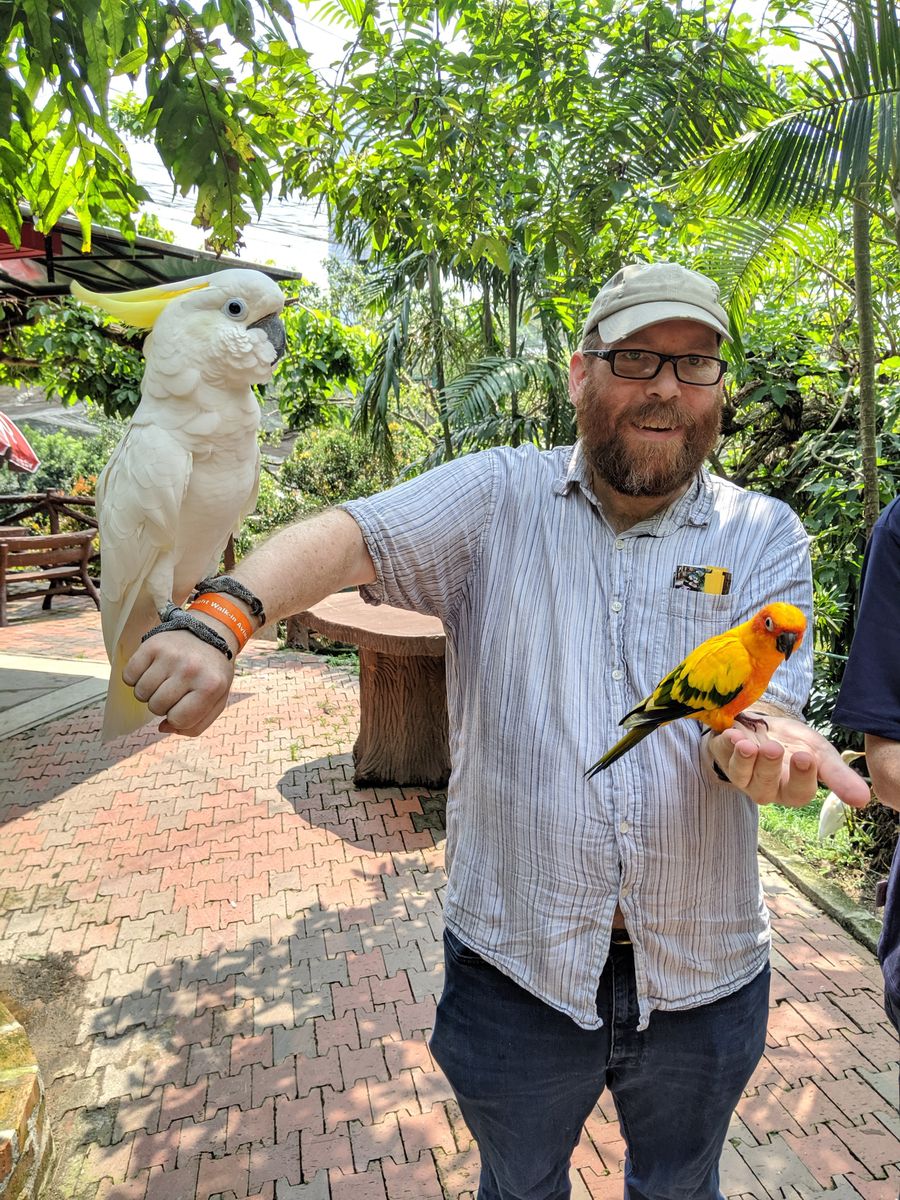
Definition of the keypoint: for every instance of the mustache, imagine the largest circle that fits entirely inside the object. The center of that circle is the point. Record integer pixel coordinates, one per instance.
(662, 415)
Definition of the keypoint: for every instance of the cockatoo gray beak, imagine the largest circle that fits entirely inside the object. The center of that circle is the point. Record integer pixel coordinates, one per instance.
(273, 327)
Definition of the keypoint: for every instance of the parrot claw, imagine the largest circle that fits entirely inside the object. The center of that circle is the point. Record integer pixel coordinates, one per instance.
(752, 723)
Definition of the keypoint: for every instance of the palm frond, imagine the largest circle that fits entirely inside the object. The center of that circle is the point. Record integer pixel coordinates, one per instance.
(476, 396)
(371, 415)
(846, 131)
(498, 430)
(743, 254)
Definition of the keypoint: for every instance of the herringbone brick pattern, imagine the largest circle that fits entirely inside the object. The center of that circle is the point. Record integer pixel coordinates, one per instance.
(257, 947)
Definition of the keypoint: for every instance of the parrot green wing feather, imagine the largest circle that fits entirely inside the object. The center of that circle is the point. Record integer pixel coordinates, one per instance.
(712, 676)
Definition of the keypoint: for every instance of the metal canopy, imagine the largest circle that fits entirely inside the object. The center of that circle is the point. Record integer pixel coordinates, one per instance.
(45, 264)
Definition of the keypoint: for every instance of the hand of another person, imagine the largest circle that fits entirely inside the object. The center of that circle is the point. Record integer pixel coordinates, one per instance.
(181, 679)
(785, 763)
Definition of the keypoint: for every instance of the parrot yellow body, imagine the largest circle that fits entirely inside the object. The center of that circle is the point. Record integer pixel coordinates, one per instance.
(186, 472)
(718, 680)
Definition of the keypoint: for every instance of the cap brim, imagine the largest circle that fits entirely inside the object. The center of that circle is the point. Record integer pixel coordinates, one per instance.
(623, 324)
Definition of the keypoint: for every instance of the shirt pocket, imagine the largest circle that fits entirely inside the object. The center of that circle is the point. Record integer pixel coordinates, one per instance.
(687, 619)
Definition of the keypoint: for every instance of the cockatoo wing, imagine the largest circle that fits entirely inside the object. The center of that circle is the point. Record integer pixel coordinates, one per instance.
(139, 498)
(833, 814)
(831, 817)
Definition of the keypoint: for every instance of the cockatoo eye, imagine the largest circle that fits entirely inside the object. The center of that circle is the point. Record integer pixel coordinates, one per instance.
(235, 309)
(770, 624)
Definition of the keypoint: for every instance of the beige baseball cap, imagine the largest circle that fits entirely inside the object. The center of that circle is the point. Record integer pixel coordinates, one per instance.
(643, 293)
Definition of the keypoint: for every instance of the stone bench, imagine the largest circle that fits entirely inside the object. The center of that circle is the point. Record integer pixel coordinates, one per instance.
(403, 733)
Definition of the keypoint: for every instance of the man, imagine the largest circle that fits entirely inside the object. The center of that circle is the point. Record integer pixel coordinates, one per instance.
(869, 701)
(608, 932)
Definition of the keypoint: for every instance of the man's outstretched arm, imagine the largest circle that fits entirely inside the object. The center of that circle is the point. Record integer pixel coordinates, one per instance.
(187, 682)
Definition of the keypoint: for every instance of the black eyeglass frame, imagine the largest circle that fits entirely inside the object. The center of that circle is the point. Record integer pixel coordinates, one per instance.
(610, 357)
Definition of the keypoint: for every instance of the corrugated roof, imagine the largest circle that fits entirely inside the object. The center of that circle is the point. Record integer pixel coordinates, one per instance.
(46, 264)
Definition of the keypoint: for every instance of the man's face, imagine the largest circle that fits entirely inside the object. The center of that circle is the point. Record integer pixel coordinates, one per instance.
(647, 437)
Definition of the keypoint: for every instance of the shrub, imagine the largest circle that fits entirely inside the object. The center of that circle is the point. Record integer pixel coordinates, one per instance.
(68, 461)
(330, 465)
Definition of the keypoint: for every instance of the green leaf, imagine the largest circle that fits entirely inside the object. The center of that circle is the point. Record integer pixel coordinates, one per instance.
(37, 19)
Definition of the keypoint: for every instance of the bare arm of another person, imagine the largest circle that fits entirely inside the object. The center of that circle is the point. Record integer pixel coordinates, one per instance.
(186, 681)
(883, 760)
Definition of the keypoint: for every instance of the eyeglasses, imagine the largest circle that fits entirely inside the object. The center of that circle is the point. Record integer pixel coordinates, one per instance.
(698, 369)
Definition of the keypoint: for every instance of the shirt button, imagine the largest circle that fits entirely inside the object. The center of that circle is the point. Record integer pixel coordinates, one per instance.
(617, 674)
(616, 606)
(620, 545)
(624, 892)
(624, 827)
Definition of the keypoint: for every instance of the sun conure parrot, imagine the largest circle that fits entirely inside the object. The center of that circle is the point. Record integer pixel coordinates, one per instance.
(186, 472)
(718, 680)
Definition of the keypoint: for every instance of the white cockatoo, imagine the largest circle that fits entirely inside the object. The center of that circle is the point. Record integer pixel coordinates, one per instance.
(833, 814)
(187, 470)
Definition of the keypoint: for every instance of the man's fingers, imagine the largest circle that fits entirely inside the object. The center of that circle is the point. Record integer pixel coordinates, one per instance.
(138, 663)
(182, 718)
(181, 680)
(802, 782)
(841, 779)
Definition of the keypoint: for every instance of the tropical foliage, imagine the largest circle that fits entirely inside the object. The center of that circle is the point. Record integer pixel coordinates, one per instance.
(62, 63)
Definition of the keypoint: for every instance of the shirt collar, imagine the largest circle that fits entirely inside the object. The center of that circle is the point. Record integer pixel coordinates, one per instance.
(693, 508)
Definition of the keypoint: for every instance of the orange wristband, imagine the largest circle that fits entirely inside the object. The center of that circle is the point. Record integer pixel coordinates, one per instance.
(229, 614)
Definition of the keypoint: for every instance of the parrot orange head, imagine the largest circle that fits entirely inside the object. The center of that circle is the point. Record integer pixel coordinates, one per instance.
(780, 626)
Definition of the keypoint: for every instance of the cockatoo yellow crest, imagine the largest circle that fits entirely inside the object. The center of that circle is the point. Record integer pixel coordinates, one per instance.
(186, 472)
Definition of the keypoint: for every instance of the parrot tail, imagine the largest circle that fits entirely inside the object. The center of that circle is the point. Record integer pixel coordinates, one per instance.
(622, 746)
(123, 713)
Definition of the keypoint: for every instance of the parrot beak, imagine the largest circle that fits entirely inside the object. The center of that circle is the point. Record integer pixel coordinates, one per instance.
(785, 642)
(273, 328)
(138, 309)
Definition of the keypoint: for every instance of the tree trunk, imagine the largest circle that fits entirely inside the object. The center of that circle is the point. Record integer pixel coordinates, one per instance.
(438, 376)
(866, 324)
(513, 347)
(558, 429)
(488, 330)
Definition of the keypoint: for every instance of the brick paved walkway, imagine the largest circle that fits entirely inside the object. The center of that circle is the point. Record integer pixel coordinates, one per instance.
(253, 948)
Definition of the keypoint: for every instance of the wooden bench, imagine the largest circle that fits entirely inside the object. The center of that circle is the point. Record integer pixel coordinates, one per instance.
(51, 506)
(404, 729)
(61, 558)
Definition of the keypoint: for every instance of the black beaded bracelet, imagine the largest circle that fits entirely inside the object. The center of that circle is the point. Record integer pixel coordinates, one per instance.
(719, 772)
(175, 618)
(231, 587)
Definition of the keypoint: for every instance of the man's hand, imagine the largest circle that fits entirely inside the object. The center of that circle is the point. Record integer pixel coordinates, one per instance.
(785, 763)
(181, 679)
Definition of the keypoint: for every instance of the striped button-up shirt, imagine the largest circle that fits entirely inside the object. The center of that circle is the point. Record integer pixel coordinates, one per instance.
(556, 626)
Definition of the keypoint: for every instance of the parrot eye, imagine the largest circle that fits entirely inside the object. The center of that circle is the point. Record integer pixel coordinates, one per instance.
(235, 309)
(770, 624)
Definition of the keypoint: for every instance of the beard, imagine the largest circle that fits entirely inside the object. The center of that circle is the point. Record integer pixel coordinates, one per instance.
(656, 469)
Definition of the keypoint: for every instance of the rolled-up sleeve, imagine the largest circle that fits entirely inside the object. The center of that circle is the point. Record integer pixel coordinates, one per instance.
(425, 536)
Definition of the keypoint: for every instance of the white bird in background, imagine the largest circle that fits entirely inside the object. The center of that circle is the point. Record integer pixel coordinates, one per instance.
(186, 473)
(833, 814)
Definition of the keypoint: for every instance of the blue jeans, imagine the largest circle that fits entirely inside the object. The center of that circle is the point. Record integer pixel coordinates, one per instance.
(526, 1078)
